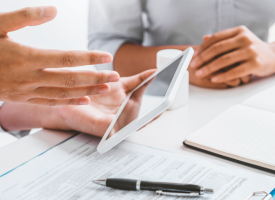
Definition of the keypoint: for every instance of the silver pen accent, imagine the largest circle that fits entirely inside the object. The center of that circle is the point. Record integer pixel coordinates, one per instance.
(160, 192)
(100, 182)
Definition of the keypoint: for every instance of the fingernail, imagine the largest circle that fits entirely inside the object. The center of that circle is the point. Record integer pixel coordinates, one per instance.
(107, 58)
(215, 79)
(84, 102)
(199, 73)
(195, 54)
(114, 78)
(103, 90)
(49, 11)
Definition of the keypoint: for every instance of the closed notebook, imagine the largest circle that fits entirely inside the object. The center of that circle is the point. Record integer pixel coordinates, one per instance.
(244, 133)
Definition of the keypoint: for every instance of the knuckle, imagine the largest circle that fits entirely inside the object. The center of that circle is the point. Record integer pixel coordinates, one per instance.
(63, 94)
(70, 102)
(251, 51)
(90, 91)
(71, 81)
(242, 28)
(227, 58)
(69, 59)
(28, 13)
(218, 46)
(257, 63)
(52, 102)
(100, 77)
(93, 59)
(201, 59)
(215, 36)
(245, 39)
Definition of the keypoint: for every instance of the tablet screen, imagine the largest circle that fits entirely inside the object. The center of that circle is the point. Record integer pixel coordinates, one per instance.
(146, 97)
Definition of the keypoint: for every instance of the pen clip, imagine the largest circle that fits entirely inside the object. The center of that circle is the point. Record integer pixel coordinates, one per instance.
(160, 192)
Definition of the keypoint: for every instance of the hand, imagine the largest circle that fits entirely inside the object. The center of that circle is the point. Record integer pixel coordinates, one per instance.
(203, 82)
(238, 52)
(95, 118)
(30, 75)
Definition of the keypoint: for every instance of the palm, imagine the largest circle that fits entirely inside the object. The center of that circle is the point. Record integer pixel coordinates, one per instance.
(95, 118)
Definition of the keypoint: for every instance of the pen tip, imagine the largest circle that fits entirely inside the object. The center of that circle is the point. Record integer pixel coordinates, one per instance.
(207, 190)
(100, 182)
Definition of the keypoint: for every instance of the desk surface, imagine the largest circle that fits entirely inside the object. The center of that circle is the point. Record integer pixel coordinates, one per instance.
(166, 133)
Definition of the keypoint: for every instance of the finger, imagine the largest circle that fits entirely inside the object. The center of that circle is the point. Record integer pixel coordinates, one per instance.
(58, 59)
(206, 37)
(70, 93)
(72, 79)
(234, 83)
(31, 16)
(237, 72)
(222, 35)
(215, 50)
(132, 82)
(246, 79)
(222, 62)
(59, 102)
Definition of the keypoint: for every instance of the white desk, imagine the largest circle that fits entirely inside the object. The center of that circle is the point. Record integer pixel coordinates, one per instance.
(69, 31)
(167, 133)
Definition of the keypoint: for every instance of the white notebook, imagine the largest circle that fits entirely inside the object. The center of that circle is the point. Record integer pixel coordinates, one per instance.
(245, 132)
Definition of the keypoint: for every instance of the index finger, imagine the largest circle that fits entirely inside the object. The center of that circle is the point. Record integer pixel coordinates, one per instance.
(222, 35)
(59, 59)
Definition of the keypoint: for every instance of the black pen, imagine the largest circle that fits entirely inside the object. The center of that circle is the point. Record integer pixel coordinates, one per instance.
(161, 188)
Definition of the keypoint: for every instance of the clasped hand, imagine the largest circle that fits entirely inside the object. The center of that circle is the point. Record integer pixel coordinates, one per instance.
(232, 56)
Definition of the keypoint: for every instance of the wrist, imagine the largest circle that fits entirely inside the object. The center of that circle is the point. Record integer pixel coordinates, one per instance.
(272, 48)
(52, 119)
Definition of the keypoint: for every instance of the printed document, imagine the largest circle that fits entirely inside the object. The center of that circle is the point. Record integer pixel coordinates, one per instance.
(66, 172)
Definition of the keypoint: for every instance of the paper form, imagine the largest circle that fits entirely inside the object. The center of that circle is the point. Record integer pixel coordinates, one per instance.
(66, 173)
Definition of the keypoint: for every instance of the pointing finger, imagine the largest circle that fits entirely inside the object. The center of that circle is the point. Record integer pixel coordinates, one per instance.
(72, 79)
(70, 93)
(58, 59)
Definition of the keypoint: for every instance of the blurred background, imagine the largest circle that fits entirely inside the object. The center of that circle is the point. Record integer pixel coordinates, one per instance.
(67, 31)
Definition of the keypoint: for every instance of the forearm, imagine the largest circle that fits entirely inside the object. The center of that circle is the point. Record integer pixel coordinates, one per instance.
(24, 116)
(132, 59)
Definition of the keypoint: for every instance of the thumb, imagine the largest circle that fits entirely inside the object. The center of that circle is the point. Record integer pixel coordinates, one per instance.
(30, 16)
(132, 82)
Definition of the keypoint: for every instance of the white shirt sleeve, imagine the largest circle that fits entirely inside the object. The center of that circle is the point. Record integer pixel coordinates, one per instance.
(112, 23)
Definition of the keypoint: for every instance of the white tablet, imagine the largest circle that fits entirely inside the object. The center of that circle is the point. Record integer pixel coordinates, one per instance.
(150, 99)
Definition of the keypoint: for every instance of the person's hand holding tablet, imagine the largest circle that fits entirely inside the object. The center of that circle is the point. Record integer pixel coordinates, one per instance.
(30, 75)
(93, 119)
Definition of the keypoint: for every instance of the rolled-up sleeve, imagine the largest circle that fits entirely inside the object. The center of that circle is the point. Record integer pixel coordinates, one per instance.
(113, 23)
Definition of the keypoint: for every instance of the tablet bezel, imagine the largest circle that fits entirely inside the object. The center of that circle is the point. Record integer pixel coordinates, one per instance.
(107, 144)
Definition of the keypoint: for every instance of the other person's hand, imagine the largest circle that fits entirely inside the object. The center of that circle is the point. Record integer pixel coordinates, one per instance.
(237, 47)
(30, 75)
